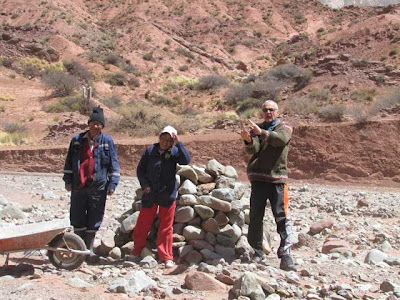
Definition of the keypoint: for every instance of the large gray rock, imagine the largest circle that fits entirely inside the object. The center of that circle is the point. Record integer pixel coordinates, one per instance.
(187, 172)
(214, 167)
(3, 201)
(188, 199)
(204, 211)
(13, 212)
(187, 187)
(184, 214)
(130, 222)
(215, 203)
(210, 225)
(202, 175)
(193, 233)
(226, 194)
(231, 172)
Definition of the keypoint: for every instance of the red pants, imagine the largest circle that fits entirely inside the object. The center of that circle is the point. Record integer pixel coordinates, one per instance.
(164, 235)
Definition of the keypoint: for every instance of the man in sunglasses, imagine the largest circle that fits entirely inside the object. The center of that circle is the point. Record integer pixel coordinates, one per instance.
(268, 142)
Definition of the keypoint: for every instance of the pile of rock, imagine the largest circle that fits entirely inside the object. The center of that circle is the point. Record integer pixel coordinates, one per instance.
(210, 219)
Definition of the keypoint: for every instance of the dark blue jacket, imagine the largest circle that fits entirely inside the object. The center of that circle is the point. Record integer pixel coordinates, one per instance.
(106, 166)
(158, 172)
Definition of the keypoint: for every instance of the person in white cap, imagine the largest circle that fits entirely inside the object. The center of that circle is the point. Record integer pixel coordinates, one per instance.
(156, 173)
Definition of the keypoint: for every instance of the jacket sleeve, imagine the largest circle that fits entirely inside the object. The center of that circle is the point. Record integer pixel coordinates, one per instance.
(68, 171)
(254, 147)
(142, 167)
(279, 137)
(113, 167)
(182, 156)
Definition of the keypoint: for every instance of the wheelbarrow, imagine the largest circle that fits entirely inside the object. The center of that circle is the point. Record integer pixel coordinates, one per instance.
(65, 249)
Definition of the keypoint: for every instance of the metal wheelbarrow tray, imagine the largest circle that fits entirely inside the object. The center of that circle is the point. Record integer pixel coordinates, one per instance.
(66, 250)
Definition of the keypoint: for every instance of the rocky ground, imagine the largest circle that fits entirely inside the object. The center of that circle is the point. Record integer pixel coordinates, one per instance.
(347, 246)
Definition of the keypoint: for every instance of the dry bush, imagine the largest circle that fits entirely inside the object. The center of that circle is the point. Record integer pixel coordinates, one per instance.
(162, 100)
(75, 68)
(332, 113)
(62, 84)
(116, 79)
(368, 94)
(111, 102)
(386, 101)
(259, 91)
(301, 106)
(290, 73)
(212, 81)
(68, 104)
(358, 113)
(13, 127)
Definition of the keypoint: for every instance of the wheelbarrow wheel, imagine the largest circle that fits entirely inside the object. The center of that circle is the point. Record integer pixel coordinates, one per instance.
(66, 259)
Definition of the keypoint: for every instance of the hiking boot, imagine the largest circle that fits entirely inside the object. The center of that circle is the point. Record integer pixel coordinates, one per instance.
(287, 263)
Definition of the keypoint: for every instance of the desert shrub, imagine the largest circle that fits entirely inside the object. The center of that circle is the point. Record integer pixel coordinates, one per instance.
(249, 103)
(13, 127)
(34, 65)
(111, 102)
(301, 106)
(318, 94)
(15, 138)
(251, 113)
(7, 97)
(141, 119)
(180, 81)
(183, 68)
(75, 68)
(6, 62)
(388, 100)
(262, 90)
(68, 104)
(358, 113)
(332, 113)
(2, 108)
(112, 59)
(162, 100)
(290, 72)
(393, 51)
(368, 95)
(360, 63)
(148, 56)
(211, 82)
(238, 93)
(116, 79)
(283, 72)
(184, 52)
(62, 83)
(133, 83)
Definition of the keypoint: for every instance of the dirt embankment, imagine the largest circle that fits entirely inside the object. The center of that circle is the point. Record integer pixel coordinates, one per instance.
(367, 153)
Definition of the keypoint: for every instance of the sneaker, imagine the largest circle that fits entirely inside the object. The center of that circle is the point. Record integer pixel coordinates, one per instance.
(287, 263)
(169, 264)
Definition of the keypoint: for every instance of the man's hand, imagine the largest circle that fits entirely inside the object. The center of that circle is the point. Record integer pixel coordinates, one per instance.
(175, 138)
(146, 190)
(110, 192)
(68, 187)
(254, 128)
(246, 136)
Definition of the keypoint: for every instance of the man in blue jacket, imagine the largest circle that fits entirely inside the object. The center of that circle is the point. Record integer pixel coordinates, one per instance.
(156, 173)
(91, 172)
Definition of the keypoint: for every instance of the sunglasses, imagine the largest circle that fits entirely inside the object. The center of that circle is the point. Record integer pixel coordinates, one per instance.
(264, 109)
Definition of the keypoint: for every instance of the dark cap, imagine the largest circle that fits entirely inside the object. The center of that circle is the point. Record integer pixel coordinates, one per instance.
(97, 115)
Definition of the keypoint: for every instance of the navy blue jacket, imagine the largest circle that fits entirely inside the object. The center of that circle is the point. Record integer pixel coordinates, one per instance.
(106, 166)
(158, 172)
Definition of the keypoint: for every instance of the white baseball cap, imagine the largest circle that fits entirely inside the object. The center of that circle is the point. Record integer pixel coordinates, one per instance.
(169, 129)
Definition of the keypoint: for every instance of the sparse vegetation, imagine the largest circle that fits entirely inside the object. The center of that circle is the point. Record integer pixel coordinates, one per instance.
(111, 102)
(333, 113)
(62, 83)
(368, 95)
(14, 133)
(213, 81)
(7, 97)
(116, 79)
(386, 101)
(67, 104)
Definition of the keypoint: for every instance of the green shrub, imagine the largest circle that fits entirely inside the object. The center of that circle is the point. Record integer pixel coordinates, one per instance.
(62, 84)
(116, 79)
(185, 52)
(183, 68)
(368, 95)
(148, 56)
(333, 113)
(211, 82)
(248, 104)
(141, 119)
(162, 100)
(16, 138)
(394, 52)
(69, 104)
(6, 62)
(318, 94)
